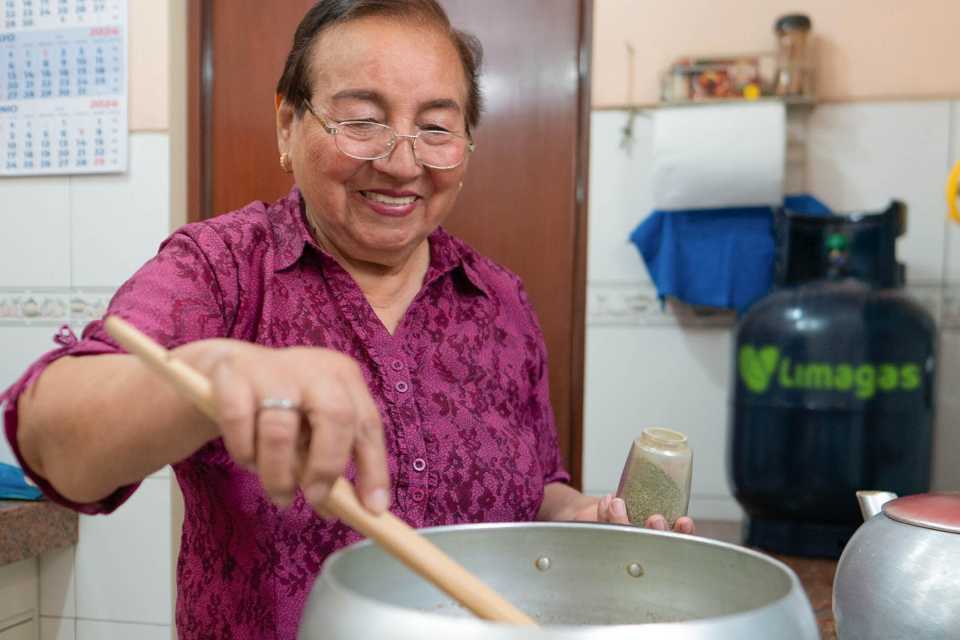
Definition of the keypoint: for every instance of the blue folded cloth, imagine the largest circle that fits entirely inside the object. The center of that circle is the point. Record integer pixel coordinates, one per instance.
(13, 485)
(719, 258)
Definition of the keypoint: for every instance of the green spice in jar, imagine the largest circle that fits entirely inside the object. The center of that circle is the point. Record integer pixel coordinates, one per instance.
(656, 476)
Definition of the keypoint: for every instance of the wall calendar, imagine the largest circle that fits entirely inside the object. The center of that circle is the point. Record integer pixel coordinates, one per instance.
(63, 86)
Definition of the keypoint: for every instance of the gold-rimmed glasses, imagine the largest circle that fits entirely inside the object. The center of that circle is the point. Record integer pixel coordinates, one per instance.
(366, 140)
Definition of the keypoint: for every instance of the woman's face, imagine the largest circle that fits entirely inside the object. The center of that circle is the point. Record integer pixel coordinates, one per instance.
(397, 73)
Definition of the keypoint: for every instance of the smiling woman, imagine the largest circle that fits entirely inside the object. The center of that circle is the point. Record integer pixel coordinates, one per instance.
(344, 332)
(367, 78)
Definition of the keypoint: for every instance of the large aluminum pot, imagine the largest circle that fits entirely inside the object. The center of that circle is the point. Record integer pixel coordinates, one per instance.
(580, 581)
(897, 577)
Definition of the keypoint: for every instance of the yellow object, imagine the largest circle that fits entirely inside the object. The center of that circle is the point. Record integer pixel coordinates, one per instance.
(751, 91)
(953, 183)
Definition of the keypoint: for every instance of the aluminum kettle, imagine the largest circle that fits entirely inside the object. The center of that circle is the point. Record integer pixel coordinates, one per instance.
(897, 577)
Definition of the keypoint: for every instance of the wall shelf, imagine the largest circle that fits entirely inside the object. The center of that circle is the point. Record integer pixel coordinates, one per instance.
(798, 101)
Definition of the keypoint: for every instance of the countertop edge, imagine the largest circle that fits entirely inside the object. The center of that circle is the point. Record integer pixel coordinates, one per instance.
(29, 529)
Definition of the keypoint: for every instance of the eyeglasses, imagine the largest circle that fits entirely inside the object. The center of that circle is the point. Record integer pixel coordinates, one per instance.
(365, 140)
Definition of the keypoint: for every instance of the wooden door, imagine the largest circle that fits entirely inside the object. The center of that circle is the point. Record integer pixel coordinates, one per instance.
(523, 201)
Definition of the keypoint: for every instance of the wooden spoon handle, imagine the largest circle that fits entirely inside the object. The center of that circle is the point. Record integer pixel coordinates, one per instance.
(392, 533)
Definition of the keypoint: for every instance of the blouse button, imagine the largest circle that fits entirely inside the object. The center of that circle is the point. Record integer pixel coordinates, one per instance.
(419, 464)
(396, 365)
(402, 387)
(418, 495)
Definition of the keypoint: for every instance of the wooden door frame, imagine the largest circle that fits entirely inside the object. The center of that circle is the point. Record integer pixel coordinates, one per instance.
(579, 327)
(199, 109)
(200, 192)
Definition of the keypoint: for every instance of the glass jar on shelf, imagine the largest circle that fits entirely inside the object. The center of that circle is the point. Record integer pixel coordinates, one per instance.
(656, 476)
(794, 78)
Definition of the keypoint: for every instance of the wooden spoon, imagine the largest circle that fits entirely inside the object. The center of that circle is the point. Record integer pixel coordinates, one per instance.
(393, 534)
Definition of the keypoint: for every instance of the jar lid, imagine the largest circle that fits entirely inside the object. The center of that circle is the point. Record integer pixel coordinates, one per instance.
(939, 511)
(793, 22)
(665, 437)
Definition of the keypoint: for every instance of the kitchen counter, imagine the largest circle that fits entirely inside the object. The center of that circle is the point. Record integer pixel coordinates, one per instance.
(28, 529)
(816, 574)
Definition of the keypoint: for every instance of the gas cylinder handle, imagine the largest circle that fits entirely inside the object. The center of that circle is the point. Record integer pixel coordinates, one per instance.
(953, 184)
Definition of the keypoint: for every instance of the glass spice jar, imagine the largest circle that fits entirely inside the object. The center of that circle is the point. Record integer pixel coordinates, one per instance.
(794, 69)
(656, 476)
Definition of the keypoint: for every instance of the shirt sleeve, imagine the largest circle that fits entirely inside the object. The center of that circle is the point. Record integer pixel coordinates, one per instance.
(539, 409)
(175, 298)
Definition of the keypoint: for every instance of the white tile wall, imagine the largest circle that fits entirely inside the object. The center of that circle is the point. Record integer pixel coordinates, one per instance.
(164, 472)
(953, 228)
(955, 132)
(96, 630)
(859, 156)
(120, 220)
(644, 367)
(35, 243)
(74, 239)
(620, 195)
(92, 232)
(20, 345)
(6, 453)
(659, 376)
(946, 471)
(123, 560)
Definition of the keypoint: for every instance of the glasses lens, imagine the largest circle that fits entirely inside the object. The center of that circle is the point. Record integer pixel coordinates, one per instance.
(364, 140)
(441, 149)
(371, 140)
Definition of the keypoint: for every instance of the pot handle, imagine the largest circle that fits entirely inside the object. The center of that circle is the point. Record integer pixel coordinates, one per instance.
(871, 502)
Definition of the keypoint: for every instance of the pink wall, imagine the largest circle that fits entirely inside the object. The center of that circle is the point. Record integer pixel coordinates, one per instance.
(149, 76)
(867, 49)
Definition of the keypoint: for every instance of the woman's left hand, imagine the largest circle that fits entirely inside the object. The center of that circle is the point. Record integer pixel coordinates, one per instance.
(612, 509)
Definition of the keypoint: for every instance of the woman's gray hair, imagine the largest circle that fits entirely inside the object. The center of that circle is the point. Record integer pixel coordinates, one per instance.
(294, 85)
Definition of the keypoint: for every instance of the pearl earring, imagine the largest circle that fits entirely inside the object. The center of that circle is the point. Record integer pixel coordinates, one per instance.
(285, 163)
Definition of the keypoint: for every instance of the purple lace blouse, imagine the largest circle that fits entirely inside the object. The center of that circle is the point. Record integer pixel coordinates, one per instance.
(461, 386)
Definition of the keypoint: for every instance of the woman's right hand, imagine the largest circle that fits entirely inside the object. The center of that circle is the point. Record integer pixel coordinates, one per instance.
(310, 448)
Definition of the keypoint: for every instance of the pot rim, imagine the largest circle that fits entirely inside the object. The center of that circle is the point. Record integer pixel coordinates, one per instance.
(796, 588)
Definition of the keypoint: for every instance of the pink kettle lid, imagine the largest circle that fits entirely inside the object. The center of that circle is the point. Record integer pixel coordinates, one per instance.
(939, 511)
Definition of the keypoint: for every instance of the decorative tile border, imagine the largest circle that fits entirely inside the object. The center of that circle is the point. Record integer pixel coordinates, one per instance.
(628, 304)
(950, 311)
(635, 304)
(929, 295)
(609, 303)
(32, 307)
(624, 303)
